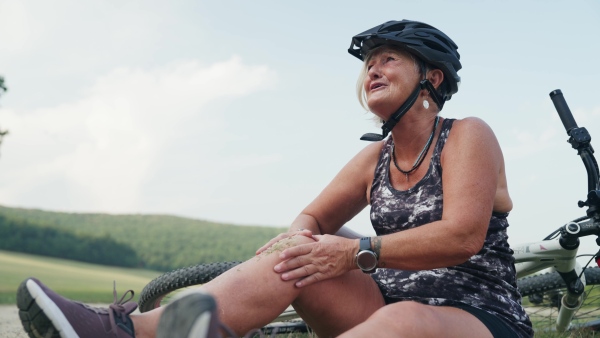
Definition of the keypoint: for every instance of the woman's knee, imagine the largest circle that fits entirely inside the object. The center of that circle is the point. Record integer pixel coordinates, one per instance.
(405, 316)
(278, 247)
(329, 293)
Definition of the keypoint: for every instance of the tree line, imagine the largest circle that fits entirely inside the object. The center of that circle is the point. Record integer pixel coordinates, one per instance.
(19, 236)
(158, 242)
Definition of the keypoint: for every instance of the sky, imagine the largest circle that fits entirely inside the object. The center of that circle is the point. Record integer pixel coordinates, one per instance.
(243, 111)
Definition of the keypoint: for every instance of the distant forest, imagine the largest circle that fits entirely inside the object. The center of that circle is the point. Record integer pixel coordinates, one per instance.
(158, 242)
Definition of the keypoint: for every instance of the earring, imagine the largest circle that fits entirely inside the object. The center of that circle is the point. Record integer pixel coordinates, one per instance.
(426, 104)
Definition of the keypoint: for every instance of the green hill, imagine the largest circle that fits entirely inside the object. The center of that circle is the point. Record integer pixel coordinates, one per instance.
(157, 242)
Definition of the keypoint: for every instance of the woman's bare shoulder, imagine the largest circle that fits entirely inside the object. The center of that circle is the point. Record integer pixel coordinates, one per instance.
(363, 164)
(372, 150)
(472, 129)
(470, 123)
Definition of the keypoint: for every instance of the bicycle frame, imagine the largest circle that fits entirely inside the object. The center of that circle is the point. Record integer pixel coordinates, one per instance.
(536, 256)
(560, 254)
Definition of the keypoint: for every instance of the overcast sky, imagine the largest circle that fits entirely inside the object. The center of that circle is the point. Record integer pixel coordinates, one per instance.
(242, 111)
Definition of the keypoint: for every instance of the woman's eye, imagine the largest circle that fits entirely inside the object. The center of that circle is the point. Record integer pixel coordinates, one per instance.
(390, 58)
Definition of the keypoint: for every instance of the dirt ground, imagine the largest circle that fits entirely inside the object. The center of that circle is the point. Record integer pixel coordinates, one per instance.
(10, 326)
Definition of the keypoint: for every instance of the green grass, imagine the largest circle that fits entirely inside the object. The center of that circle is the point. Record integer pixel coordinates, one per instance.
(79, 281)
(93, 283)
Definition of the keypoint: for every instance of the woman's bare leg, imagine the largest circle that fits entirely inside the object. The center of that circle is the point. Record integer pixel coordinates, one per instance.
(410, 319)
(249, 295)
(252, 294)
(334, 306)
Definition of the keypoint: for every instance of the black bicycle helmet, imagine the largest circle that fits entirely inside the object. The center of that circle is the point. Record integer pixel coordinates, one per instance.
(426, 42)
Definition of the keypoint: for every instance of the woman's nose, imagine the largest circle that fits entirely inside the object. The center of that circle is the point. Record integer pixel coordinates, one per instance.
(374, 72)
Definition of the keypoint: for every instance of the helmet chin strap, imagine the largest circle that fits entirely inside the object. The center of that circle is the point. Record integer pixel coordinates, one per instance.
(389, 124)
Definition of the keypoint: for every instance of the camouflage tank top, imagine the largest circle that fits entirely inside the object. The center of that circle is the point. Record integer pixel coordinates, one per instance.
(486, 281)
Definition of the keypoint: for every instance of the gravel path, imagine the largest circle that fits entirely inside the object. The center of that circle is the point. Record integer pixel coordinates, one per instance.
(10, 326)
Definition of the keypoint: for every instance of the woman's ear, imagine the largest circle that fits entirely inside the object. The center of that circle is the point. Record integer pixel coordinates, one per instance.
(436, 77)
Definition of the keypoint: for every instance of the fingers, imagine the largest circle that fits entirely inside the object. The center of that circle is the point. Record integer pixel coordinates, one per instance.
(299, 262)
(268, 245)
(311, 262)
(307, 275)
(303, 232)
(296, 259)
(302, 271)
(296, 251)
(306, 233)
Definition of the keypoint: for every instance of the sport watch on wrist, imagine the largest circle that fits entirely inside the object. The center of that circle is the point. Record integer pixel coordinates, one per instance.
(366, 258)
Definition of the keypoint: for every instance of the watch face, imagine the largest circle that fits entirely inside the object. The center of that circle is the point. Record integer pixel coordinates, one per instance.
(366, 260)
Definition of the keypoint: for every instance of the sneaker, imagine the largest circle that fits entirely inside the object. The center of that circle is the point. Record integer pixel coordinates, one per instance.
(195, 316)
(44, 313)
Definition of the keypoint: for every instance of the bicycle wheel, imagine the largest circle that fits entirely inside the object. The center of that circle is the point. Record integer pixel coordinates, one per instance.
(542, 295)
(160, 289)
(157, 291)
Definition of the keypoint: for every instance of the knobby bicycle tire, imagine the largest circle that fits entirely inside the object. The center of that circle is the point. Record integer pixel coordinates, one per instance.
(154, 292)
(542, 295)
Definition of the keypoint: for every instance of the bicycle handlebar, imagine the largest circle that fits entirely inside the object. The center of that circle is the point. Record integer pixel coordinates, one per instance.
(563, 110)
(580, 139)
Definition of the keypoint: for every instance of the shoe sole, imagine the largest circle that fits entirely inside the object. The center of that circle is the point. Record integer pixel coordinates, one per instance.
(190, 316)
(39, 315)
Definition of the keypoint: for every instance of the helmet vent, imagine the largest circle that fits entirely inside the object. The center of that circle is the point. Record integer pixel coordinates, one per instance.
(433, 45)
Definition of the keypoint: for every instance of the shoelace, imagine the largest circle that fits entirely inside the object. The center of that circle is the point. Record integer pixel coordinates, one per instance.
(118, 308)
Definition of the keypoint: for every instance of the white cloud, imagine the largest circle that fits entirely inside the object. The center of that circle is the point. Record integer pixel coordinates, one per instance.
(101, 149)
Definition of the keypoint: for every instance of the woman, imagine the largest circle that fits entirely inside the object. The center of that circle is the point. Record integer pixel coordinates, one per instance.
(440, 264)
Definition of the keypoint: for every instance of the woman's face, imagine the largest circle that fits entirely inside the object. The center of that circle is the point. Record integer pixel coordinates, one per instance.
(391, 77)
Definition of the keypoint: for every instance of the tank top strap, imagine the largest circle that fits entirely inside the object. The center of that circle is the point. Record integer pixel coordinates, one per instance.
(439, 146)
(381, 170)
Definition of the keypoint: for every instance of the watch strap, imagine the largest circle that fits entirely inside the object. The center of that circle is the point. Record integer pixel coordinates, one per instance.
(365, 249)
(365, 244)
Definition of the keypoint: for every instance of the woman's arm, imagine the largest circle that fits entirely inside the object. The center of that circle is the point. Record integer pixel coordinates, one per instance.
(471, 162)
(344, 197)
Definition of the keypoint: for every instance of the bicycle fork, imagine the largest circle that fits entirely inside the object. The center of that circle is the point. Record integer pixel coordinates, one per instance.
(559, 255)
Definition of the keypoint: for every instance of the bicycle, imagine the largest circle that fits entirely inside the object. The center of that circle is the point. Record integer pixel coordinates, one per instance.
(562, 299)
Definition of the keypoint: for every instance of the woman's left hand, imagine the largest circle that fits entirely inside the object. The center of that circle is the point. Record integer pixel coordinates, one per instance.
(328, 257)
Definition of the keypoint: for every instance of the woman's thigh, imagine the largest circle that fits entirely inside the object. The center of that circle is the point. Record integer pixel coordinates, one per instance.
(252, 294)
(334, 306)
(411, 319)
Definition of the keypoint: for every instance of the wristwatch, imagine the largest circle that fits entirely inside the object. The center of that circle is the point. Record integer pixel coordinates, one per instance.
(366, 259)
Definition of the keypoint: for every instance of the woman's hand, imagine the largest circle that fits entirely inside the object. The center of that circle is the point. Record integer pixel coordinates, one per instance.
(303, 232)
(328, 257)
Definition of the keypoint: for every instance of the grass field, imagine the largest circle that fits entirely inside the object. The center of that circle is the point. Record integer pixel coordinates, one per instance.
(93, 283)
(79, 281)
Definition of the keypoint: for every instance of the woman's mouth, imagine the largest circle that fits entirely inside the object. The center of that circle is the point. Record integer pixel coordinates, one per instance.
(376, 86)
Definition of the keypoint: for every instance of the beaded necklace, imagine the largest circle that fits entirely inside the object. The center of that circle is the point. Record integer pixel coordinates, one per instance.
(421, 155)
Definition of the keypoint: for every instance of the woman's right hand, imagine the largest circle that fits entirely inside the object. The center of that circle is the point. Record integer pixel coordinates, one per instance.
(302, 232)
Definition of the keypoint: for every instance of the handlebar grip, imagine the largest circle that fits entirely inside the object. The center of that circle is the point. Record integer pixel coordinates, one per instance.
(563, 110)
